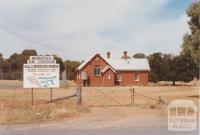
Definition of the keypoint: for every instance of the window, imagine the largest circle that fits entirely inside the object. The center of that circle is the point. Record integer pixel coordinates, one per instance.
(137, 76)
(97, 71)
(78, 76)
(109, 76)
(119, 77)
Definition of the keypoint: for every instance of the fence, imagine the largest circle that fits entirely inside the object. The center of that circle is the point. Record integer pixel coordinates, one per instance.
(118, 96)
(11, 90)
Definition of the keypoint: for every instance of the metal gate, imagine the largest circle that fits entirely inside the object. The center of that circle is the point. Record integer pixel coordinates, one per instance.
(106, 96)
(117, 96)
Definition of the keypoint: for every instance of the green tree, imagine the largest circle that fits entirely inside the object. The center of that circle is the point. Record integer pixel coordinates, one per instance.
(191, 42)
(29, 53)
(60, 62)
(139, 55)
(157, 67)
(167, 67)
(71, 66)
(177, 68)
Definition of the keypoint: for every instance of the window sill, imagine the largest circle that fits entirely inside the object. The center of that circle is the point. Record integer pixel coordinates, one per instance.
(97, 75)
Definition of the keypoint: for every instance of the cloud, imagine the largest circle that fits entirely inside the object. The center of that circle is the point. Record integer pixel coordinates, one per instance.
(78, 29)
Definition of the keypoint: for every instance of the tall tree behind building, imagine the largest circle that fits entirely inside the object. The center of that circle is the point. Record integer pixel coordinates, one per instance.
(71, 66)
(139, 55)
(191, 41)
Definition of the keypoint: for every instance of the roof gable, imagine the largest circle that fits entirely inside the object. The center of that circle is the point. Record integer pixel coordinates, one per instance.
(90, 59)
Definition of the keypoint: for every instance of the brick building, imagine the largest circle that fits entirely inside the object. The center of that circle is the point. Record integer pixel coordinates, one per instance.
(106, 71)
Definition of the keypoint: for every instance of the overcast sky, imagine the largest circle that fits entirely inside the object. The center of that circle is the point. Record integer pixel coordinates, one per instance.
(79, 28)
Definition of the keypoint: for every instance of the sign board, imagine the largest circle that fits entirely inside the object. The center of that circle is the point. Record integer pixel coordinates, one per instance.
(41, 72)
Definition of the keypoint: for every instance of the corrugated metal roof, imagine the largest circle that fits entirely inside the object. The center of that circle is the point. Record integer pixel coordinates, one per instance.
(129, 64)
(121, 64)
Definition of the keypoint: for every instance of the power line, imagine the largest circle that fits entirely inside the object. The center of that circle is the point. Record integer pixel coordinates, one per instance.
(27, 39)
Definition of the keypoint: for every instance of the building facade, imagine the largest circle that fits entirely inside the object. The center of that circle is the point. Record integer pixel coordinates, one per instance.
(105, 71)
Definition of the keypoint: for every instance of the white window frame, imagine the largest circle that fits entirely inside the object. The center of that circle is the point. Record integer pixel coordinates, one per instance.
(95, 68)
(137, 78)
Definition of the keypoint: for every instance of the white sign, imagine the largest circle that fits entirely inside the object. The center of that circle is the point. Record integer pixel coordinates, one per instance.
(182, 115)
(41, 72)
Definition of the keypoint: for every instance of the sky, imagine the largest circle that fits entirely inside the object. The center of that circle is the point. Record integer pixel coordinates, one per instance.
(77, 29)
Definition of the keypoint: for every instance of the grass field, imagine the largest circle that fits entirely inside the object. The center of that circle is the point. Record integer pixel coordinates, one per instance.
(15, 103)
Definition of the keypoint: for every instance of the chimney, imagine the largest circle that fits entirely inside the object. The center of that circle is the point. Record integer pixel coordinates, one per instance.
(108, 55)
(125, 55)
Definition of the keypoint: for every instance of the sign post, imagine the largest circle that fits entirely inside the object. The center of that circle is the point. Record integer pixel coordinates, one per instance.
(41, 72)
(32, 96)
(51, 94)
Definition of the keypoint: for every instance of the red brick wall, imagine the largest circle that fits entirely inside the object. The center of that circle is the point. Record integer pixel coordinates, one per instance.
(128, 78)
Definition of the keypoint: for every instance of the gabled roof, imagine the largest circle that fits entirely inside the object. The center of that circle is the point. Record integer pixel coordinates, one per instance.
(131, 64)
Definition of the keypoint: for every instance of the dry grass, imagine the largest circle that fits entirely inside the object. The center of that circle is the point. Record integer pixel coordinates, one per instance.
(21, 111)
(15, 106)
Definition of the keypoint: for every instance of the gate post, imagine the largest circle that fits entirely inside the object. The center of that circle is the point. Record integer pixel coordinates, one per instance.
(79, 95)
(132, 96)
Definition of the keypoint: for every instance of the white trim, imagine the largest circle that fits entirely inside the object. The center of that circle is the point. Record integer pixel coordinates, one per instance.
(106, 68)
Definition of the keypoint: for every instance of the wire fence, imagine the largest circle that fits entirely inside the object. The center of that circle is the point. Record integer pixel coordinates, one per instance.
(118, 96)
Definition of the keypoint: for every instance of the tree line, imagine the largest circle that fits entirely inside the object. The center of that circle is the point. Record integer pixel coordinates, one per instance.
(164, 67)
(12, 68)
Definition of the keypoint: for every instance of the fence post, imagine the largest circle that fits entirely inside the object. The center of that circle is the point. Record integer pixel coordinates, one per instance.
(32, 96)
(79, 95)
(132, 96)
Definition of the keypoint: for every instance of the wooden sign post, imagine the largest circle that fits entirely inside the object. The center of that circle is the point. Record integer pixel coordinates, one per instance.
(51, 96)
(31, 96)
